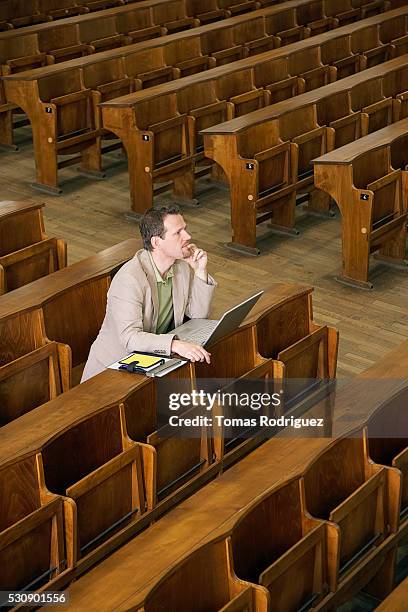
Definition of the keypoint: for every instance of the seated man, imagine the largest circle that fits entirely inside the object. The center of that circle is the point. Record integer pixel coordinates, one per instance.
(151, 294)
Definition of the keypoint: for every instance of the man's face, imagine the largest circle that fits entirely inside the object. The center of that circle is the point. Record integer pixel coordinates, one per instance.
(176, 238)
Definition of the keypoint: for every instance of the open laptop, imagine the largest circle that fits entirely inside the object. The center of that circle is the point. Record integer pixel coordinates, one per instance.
(204, 331)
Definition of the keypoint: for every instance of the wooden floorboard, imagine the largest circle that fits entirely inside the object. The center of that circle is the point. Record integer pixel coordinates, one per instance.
(90, 216)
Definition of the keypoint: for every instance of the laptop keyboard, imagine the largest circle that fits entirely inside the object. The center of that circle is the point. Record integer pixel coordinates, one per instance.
(200, 336)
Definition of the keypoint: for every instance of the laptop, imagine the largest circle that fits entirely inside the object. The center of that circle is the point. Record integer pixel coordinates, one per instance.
(206, 331)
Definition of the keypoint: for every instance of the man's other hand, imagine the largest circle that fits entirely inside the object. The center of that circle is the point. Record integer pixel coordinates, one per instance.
(193, 352)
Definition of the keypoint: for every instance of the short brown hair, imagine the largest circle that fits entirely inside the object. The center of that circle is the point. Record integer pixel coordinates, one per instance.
(152, 223)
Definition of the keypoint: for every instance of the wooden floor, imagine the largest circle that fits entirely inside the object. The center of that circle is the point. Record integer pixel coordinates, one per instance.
(90, 217)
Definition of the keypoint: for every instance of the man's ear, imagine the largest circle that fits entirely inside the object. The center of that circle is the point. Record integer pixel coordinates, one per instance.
(154, 241)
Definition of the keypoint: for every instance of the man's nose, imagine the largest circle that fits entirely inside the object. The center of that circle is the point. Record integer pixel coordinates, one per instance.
(186, 235)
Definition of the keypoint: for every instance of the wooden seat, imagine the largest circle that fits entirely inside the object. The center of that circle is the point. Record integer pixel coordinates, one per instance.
(21, 225)
(60, 9)
(310, 70)
(32, 262)
(105, 481)
(32, 519)
(276, 544)
(386, 434)
(63, 44)
(30, 381)
(207, 11)
(376, 221)
(313, 16)
(370, 48)
(358, 504)
(204, 581)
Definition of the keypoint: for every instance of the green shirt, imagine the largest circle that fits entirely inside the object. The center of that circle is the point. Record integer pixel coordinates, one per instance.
(165, 293)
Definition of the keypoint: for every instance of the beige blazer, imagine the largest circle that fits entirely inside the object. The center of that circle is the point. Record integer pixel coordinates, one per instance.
(132, 310)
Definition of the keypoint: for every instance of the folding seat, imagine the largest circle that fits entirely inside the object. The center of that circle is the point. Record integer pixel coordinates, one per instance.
(204, 581)
(101, 35)
(311, 15)
(357, 505)
(337, 53)
(149, 68)
(173, 17)
(285, 27)
(366, 42)
(275, 78)
(220, 45)
(206, 11)
(20, 54)
(237, 7)
(186, 57)
(395, 84)
(32, 519)
(276, 544)
(104, 479)
(336, 113)
(62, 44)
(386, 436)
(240, 91)
(23, 13)
(253, 36)
(138, 25)
(307, 65)
(60, 9)
(30, 381)
(342, 10)
(376, 108)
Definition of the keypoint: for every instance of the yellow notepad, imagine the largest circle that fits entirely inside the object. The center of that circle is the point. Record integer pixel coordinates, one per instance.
(142, 361)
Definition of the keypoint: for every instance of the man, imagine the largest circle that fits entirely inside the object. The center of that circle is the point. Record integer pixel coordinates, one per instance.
(152, 293)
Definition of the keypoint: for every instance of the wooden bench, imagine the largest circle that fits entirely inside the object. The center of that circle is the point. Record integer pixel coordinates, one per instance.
(370, 187)
(192, 104)
(65, 116)
(386, 435)
(57, 308)
(359, 506)
(32, 519)
(276, 544)
(136, 568)
(267, 155)
(26, 253)
(204, 581)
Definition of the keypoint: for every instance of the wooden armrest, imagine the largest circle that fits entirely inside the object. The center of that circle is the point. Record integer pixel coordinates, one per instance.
(72, 97)
(209, 108)
(29, 523)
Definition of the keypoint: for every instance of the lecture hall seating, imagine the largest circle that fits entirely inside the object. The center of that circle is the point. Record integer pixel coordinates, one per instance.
(162, 128)
(288, 135)
(125, 406)
(136, 570)
(26, 252)
(368, 179)
(61, 101)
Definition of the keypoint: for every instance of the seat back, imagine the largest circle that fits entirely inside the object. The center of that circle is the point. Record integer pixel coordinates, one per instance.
(21, 334)
(75, 316)
(29, 382)
(27, 524)
(19, 226)
(31, 263)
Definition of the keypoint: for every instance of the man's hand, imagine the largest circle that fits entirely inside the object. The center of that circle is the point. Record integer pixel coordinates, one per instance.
(198, 261)
(193, 352)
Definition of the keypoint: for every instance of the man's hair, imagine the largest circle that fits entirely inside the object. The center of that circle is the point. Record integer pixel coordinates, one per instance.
(152, 223)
